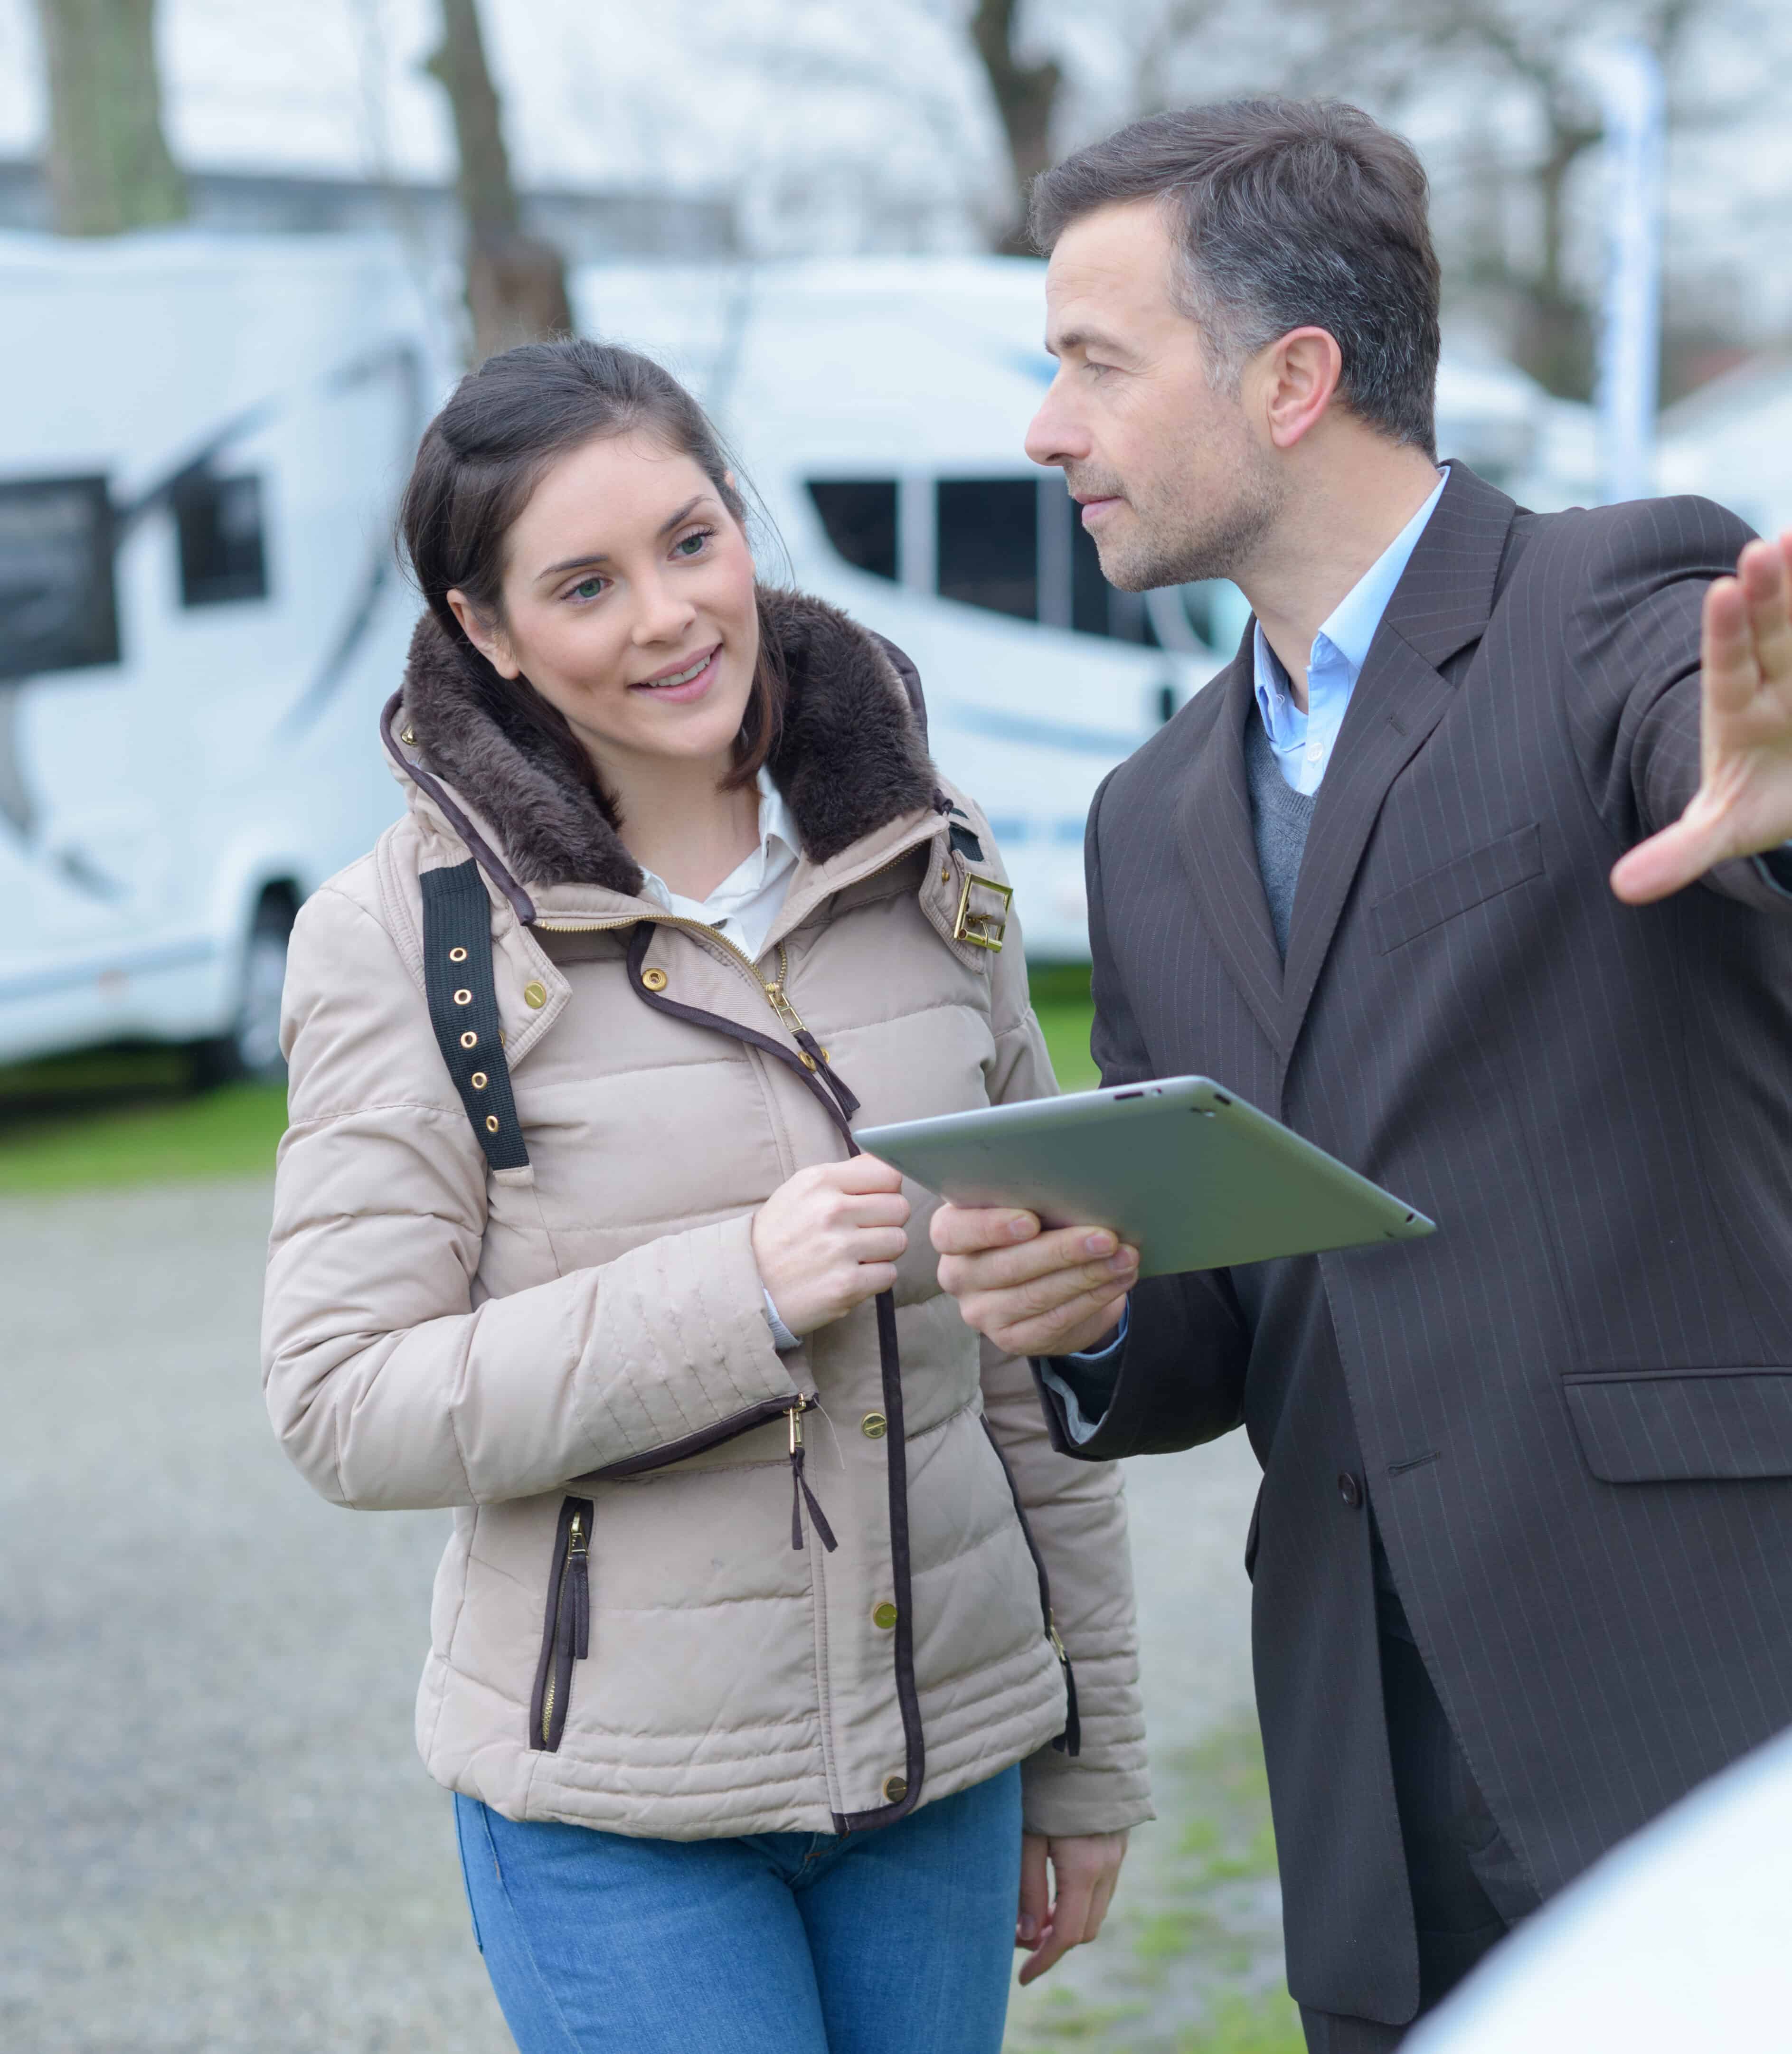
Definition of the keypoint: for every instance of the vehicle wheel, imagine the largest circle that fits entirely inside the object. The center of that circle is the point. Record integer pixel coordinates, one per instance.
(250, 1052)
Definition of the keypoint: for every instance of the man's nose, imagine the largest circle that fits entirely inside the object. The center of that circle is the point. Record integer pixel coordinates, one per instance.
(1054, 437)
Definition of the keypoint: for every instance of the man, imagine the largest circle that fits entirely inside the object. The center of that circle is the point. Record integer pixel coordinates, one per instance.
(1523, 1553)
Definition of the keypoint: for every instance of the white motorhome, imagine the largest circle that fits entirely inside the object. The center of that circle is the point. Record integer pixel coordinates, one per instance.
(200, 615)
(879, 407)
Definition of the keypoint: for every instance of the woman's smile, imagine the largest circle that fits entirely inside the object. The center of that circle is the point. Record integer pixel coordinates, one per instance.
(683, 683)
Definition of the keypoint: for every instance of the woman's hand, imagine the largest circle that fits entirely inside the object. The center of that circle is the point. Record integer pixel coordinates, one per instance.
(830, 1238)
(1088, 1868)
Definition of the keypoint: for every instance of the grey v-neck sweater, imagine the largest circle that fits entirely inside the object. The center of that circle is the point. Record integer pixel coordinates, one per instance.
(1280, 817)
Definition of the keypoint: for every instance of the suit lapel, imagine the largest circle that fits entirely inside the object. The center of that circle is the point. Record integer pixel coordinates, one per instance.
(1442, 604)
(1213, 824)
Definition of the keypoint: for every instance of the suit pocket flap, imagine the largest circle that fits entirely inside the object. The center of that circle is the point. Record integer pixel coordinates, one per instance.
(1703, 1426)
(1455, 887)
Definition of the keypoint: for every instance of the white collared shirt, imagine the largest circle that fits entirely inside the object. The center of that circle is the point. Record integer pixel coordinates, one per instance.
(1303, 742)
(743, 905)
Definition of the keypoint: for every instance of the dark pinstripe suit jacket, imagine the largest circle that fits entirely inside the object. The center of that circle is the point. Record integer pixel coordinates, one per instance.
(1571, 1408)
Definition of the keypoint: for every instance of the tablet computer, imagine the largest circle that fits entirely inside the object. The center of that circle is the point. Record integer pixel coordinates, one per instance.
(1181, 1167)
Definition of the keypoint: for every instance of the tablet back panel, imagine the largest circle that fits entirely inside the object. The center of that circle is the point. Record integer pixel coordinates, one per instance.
(1193, 1177)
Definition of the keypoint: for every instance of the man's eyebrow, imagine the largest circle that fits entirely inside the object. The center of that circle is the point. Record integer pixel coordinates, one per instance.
(1084, 339)
(598, 556)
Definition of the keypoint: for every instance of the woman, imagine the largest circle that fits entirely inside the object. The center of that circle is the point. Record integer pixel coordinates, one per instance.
(743, 1668)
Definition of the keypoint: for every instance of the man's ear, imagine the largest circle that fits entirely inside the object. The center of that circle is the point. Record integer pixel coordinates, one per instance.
(1293, 380)
(486, 636)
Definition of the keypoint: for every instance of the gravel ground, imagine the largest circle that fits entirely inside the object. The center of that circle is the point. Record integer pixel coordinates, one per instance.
(214, 1834)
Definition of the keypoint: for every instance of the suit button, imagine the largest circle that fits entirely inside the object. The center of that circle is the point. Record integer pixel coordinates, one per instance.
(874, 1425)
(1350, 1490)
(896, 1788)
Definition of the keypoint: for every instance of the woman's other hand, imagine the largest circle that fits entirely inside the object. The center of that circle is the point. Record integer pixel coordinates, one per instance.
(830, 1238)
(1087, 1867)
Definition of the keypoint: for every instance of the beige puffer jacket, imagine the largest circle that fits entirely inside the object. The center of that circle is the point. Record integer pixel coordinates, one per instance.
(570, 1348)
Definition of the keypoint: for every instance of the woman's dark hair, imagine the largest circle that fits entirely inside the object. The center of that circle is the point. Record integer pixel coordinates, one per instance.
(1287, 214)
(481, 459)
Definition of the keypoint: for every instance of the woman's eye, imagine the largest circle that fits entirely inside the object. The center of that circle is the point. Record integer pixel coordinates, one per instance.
(588, 588)
(691, 545)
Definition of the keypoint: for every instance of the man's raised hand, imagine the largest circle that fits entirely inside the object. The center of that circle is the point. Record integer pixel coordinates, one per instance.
(1033, 1293)
(1743, 805)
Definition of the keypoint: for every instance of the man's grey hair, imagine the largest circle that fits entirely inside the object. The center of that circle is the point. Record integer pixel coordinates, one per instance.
(1286, 214)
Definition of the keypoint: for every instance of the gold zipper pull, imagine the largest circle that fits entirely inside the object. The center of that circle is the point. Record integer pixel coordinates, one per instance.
(796, 1427)
(575, 1536)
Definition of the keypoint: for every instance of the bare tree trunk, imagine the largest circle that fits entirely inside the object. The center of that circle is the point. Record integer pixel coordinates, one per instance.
(1025, 95)
(516, 284)
(107, 162)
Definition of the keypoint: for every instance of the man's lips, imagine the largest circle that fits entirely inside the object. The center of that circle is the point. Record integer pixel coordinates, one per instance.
(1097, 506)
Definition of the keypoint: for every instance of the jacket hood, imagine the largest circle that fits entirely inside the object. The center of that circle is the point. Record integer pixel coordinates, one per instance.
(850, 757)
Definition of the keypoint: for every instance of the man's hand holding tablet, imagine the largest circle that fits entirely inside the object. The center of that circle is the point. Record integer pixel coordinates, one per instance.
(1058, 1291)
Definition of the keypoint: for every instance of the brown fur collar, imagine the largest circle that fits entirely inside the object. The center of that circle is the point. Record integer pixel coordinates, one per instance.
(850, 759)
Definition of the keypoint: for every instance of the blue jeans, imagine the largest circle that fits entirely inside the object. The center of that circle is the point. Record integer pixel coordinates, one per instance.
(896, 1942)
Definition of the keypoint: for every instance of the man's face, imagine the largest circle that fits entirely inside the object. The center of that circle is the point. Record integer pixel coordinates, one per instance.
(1174, 486)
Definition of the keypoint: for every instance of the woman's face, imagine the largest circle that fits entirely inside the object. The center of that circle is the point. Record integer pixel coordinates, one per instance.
(628, 604)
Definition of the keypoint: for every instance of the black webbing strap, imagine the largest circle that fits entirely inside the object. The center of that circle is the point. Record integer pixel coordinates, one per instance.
(463, 1007)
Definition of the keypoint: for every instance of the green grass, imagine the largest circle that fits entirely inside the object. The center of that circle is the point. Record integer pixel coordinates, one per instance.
(1061, 998)
(122, 1116)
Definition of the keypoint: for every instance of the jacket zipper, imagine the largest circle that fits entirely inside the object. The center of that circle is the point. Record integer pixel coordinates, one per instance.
(566, 1630)
(736, 1423)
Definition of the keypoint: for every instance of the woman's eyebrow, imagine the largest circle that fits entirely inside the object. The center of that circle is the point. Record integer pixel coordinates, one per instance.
(599, 557)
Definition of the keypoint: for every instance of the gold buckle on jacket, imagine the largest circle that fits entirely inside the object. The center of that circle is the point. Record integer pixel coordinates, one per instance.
(982, 930)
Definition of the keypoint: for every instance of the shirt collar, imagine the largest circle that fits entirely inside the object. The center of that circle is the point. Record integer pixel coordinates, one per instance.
(1350, 628)
(778, 846)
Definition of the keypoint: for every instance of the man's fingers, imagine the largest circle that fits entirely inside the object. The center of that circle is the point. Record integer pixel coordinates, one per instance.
(1767, 593)
(1667, 862)
(1080, 1323)
(862, 1173)
(1065, 1252)
(971, 1229)
(1726, 645)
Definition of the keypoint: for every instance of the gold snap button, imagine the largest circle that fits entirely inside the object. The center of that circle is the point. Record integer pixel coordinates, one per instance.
(946, 874)
(874, 1425)
(464, 998)
(408, 737)
(480, 1080)
(457, 955)
(655, 980)
(808, 1062)
(884, 1615)
(491, 1123)
(470, 1040)
(535, 995)
(896, 1788)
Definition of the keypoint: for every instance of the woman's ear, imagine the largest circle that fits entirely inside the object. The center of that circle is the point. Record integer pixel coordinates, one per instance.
(486, 636)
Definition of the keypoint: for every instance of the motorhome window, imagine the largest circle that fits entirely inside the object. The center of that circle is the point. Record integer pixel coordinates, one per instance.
(989, 543)
(58, 601)
(859, 515)
(219, 521)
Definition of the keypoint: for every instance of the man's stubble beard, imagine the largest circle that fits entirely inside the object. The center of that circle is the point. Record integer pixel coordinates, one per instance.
(1181, 535)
